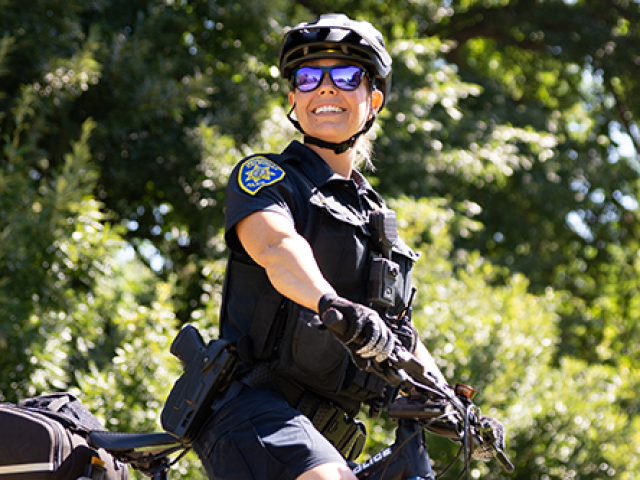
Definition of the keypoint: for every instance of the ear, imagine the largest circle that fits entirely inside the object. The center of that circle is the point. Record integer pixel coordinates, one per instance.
(377, 98)
(292, 101)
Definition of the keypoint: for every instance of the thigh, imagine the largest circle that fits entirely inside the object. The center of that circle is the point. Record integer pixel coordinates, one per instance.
(259, 436)
(329, 471)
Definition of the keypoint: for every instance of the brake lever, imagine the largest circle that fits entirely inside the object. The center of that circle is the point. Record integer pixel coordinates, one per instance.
(459, 397)
(488, 435)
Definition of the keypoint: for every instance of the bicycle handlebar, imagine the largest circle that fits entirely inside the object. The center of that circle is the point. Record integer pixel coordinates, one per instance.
(402, 368)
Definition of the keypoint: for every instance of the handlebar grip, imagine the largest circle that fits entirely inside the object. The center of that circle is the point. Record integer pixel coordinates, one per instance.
(334, 321)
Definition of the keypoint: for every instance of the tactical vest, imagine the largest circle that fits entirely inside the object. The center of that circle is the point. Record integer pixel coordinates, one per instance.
(268, 327)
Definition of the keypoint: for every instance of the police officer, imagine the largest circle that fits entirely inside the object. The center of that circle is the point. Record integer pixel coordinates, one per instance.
(307, 233)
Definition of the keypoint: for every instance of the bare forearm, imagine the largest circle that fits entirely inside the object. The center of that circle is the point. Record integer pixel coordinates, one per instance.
(292, 269)
(287, 257)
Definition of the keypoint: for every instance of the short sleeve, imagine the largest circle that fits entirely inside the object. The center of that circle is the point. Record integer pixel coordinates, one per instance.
(256, 184)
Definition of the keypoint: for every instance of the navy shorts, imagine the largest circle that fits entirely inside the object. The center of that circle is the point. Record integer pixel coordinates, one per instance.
(258, 435)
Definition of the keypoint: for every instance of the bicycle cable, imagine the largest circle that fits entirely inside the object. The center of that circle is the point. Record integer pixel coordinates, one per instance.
(465, 442)
(402, 445)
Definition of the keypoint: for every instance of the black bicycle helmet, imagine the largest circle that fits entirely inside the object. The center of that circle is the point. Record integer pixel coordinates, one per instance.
(334, 35)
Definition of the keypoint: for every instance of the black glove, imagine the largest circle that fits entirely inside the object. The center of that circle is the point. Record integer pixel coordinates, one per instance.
(407, 334)
(367, 336)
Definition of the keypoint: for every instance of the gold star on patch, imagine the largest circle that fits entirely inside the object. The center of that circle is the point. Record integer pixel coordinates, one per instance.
(258, 172)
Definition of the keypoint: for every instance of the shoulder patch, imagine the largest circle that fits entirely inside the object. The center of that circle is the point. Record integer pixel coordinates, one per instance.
(258, 172)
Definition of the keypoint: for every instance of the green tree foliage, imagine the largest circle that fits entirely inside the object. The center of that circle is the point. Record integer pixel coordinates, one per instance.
(500, 145)
(572, 420)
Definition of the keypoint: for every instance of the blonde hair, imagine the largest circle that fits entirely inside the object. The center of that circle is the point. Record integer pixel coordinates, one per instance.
(364, 145)
(364, 153)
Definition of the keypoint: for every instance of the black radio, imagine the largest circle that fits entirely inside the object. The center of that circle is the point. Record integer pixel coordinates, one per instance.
(381, 288)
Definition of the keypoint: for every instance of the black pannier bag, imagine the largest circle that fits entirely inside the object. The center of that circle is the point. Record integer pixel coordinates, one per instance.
(45, 438)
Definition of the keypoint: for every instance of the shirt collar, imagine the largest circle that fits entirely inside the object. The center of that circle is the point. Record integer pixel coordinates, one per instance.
(309, 162)
(319, 172)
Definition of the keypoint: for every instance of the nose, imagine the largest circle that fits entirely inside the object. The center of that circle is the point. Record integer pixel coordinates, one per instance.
(326, 85)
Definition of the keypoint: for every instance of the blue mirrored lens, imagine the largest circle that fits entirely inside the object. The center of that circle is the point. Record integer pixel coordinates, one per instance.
(346, 77)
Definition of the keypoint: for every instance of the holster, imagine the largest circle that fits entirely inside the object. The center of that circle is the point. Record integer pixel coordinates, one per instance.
(208, 372)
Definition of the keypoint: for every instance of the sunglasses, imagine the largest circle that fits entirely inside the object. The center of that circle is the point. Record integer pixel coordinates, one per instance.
(344, 77)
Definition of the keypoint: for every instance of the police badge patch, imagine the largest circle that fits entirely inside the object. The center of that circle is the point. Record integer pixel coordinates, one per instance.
(258, 172)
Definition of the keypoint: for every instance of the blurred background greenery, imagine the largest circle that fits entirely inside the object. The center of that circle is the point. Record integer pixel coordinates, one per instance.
(509, 147)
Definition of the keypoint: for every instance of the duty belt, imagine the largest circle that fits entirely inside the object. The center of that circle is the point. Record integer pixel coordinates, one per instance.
(346, 434)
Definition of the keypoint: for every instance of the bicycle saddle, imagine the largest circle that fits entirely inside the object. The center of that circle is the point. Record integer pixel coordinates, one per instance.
(124, 442)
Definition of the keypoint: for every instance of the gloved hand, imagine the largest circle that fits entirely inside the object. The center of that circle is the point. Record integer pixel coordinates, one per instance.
(367, 336)
(493, 434)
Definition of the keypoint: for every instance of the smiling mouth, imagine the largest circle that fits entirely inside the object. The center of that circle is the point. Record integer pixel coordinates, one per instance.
(328, 109)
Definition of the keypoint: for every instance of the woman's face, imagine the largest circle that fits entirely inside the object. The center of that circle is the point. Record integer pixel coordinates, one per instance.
(332, 114)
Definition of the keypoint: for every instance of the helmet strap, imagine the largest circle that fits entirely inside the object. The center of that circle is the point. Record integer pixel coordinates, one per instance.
(337, 148)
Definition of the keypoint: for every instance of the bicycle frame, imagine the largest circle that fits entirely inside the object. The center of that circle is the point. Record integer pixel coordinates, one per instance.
(430, 405)
(150, 453)
(406, 459)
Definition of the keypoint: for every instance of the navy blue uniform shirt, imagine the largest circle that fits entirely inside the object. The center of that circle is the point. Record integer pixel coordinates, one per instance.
(285, 196)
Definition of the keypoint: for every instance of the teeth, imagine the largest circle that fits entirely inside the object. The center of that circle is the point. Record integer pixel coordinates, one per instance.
(327, 109)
